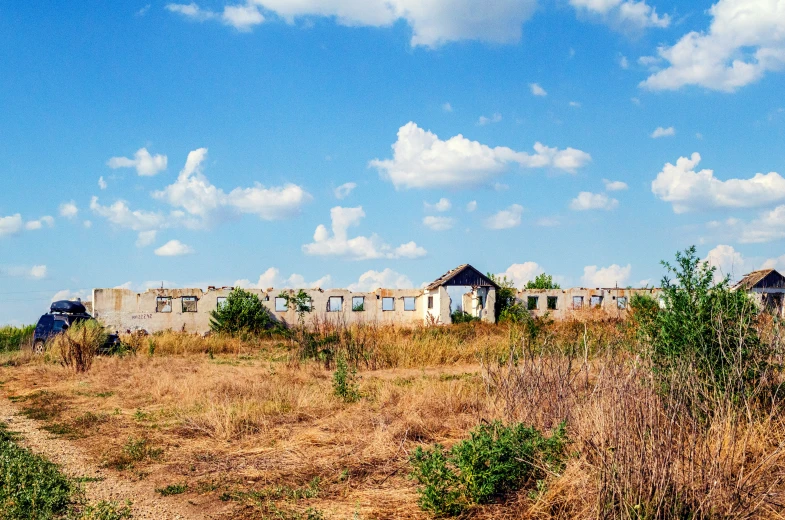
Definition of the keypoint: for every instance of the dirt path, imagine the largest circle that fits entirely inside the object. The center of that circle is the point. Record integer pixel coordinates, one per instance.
(146, 503)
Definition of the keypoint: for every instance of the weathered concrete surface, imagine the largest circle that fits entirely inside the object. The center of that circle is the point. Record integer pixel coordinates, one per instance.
(614, 302)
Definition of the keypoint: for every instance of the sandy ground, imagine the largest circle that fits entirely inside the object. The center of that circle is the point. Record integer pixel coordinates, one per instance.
(146, 503)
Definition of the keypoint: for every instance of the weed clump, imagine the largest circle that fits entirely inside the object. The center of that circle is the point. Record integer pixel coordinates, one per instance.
(345, 382)
(494, 461)
(78, 345)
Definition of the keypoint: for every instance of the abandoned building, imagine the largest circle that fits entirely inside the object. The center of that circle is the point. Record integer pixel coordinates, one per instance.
(767, 287)
(189, 309)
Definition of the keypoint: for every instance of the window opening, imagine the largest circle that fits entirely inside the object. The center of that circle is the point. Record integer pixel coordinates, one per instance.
(189, 303)
(552, 301)
(409, 303)
(388, 304)
(281, 305)
(430, 302)
(577, 302)
(220, 302)
(596, 301)
(358, 303)
(163, 304)
(335, 304)
(531, 303)
(621, 302)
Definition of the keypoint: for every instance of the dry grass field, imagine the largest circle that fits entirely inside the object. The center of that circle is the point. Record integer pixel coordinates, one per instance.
(245, 429)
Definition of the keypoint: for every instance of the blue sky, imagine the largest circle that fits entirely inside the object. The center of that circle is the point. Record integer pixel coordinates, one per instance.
(349, 143)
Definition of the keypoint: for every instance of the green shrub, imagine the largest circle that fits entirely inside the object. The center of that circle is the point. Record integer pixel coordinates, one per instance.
(459, 316)
(542, 281)
(345, 382)
(705, 346)
(242, 312)
(15, 338)
(495, 460)
(172, 489)
(31, 487)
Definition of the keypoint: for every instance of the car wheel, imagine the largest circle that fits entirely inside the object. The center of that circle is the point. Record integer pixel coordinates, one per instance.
(39, 347)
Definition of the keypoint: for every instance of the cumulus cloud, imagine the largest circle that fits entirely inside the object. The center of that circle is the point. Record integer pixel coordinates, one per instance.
(607, 277)
(145, 238)
(438, 223)
(495, 118)
(519, 274)
(623, 14)
(35, 272)
(387, 279)
(506, 218)
(358, 248)
(122, 216)
(193, 193)
(68, 209)
(663, 132)
(768, 226)
(433, 22)
(344, 190)
(84, 295)
(422, 160)
(588, 201)
(624, 62)
(174, 248)
(728, 262)
(38, 272)
(471, 206)
(614, 185)
(774, 263)
(38, 224)
(745, 40)
(537, 90)
(272, 279)
(10, 225)
(441, 206)
(101, 183)
(146, 165)
(689, 190)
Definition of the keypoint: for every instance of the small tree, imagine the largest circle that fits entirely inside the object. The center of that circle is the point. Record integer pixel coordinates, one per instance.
(300, 303)
(242, 312)
(542, 281)
(508, 308)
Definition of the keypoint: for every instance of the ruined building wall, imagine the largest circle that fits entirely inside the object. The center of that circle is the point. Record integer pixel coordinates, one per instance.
(562, 303)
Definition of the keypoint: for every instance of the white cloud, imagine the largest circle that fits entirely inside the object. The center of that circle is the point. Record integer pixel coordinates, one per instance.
(344, 190)
(635, 101)
(146, 165)
(438, 223)
(471, 206)
(38, 224)
(745, 40)
(87, 224)
(145, 238)
(775, 263)
(38, 272)
(522, 273)
(121, 215)
(649, 61)
(728, 262)
(68, 209)
(606, 277)
(588, 201)
(433, 22)
(495, 118)
(387, 279)
(537, 90)
(623, 14)
(442, 205)
(689, 190)
(272, 278)
(506, 218)
(663, 132)
(624, 63)
(101, 183)
(614, 185)
(447, 107)
(84, 295)
(10, 225)
(357, 248)
(143, 10)
(575, 104)
(194, 193)
(422, 160)
(174, 248)
(768, 226)
(242, 17)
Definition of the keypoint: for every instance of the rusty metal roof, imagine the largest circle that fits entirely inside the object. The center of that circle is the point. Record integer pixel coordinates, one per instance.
(453, 273)
(754, 278)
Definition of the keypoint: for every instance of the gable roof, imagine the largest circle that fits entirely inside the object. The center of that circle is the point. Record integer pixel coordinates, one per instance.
(464, 274)
(761, 279)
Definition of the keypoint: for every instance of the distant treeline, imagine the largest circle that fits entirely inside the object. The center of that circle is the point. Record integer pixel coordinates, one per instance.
(14, 338)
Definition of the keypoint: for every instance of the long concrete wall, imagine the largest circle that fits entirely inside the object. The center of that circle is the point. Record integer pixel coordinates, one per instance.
(562, 303)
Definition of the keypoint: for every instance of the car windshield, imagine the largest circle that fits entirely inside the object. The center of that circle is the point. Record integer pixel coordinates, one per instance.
(59, 326)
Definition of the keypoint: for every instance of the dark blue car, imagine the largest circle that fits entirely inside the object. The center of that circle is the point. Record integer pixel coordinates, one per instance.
(61, 316)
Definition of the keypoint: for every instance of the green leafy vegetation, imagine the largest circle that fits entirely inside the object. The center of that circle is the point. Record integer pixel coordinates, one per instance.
(15, 338)
(495, 460)
(542, 281)
(345, 382)
(241, 313)
(459, 316)
(172, 489)
(105, 510)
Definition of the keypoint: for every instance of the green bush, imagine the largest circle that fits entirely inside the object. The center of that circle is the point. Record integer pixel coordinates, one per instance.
(242, 312)
(459, 316)
(495, 460)
(14, 338)
(542, 281)
(345, 382)
(704, 341)
(31, 487)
